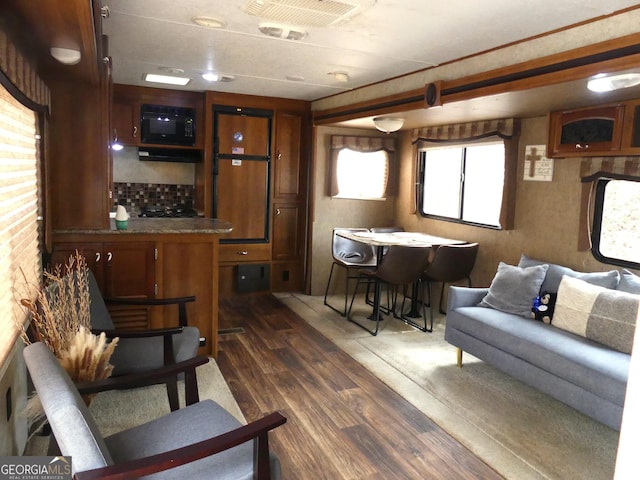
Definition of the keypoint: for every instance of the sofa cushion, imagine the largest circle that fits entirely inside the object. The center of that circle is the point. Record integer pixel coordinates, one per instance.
(581, 361)
(513, 289)
(604, 315)
(555, 272)
(629, 283)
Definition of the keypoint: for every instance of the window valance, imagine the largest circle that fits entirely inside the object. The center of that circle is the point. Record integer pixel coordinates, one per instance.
(21, 73)
(505, 128)
(590, 168)
(363, 144)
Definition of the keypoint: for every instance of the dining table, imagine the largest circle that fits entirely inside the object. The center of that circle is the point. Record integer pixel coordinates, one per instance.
(382, 240)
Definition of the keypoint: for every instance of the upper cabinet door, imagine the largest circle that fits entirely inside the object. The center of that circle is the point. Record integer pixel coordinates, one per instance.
(243, 132)
(586, 132)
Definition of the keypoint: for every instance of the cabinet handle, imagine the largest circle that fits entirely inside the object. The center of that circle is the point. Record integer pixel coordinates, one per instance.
(98, 257)
(279, 156)
(242, 252)
(579, 145)
(278, 212)
(135, 132)
(109, 257)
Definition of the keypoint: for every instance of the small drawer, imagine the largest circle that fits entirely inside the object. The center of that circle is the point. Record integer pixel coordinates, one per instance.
(243, 252)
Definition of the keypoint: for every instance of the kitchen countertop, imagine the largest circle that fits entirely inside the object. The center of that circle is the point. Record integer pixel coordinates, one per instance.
(164, 226)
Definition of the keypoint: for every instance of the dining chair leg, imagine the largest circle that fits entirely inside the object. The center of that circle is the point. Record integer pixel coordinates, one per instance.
(442, 311)
(409, 320)
(376, 308)
(326, 293)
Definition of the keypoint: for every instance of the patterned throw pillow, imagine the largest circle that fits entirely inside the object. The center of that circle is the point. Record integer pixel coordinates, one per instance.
(600, 314)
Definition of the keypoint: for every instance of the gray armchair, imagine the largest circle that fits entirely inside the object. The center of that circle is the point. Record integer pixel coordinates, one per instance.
(144, 350)
(200, 441)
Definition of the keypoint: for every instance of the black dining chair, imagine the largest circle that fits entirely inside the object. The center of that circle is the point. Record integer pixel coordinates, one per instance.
(401, 266)
(451, 263)
(353, 257)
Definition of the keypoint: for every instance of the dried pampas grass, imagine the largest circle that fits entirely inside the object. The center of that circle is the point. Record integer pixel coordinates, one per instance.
(60, 317)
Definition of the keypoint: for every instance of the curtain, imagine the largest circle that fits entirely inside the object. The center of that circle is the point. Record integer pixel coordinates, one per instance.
(591, 169)
(507, 129)
(363, 144)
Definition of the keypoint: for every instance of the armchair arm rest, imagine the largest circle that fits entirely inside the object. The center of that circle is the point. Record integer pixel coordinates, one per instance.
(155, 332)
(180, 301)
(150, 301)
(257, 430)
(465, 296)
(151, 377)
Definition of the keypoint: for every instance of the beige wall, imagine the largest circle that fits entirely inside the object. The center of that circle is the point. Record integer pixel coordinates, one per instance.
(546, 215)
(329, 213)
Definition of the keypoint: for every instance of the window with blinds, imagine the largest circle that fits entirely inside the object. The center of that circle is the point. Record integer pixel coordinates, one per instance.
(20, 260)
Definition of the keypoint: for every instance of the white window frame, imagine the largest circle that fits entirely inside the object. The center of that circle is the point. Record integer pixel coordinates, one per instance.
(461, 186)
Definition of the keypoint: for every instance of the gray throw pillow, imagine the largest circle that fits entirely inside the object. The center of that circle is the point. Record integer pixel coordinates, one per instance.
(555, 272)
(629, 283)
(513, 289)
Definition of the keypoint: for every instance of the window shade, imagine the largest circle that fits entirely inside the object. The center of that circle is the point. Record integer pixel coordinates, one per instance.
(363, 144)
(20, 263)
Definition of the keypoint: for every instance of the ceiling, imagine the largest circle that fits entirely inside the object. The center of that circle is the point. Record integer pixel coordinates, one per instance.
(374, 40)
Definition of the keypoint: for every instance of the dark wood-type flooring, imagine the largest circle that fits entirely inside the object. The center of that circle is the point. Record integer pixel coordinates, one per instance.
(343, 423)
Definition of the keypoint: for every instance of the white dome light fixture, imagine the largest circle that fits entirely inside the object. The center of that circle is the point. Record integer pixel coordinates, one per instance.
(388, 124)
(608, 83)
(66, 56)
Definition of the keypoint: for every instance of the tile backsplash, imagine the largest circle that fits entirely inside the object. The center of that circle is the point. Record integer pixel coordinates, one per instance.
(136, 195)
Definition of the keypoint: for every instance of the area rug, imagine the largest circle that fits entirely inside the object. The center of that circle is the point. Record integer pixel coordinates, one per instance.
(118, 410)
(519, 431)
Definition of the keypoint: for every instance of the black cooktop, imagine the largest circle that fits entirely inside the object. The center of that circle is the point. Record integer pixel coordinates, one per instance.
(167, 211)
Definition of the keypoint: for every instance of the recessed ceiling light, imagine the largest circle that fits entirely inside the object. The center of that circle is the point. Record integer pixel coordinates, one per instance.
(209, 22)
(608, 83)
(295, 78)
(152, 77)
(210, 77)
(340, 76)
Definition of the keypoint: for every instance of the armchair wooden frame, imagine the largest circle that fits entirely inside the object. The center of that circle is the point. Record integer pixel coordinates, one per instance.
(256, 431)
(166, 333)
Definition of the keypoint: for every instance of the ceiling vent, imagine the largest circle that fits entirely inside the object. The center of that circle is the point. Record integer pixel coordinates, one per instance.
(308, 12)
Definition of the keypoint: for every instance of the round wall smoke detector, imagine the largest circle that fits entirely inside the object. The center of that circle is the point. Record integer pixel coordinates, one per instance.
(282, 31)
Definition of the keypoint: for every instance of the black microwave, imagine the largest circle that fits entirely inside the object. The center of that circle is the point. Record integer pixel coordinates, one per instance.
(162, 125)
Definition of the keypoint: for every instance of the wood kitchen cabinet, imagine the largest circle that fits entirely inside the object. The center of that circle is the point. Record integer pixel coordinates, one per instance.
(122, 270)
(289, 202)
(631, 128)
(127, 103)
(588, 131)
(126, 121)
(158, 265)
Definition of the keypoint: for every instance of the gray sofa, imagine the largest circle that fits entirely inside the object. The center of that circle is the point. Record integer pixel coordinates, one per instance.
(585, 374)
